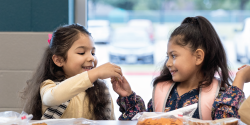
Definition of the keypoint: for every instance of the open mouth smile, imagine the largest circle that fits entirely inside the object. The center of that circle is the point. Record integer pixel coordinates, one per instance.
(87, 68)
(173, 72)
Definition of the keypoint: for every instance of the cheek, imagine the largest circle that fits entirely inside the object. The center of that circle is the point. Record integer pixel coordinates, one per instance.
(178, 63)
(95, 62)
(175, 62)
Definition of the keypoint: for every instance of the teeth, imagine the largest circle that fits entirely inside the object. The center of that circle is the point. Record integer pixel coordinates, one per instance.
(87, 67)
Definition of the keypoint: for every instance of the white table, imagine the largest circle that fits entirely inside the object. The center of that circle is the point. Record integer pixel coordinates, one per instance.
(103, 122)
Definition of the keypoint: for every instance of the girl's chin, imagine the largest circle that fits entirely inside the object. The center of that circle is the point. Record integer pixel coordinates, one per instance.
(175, 79)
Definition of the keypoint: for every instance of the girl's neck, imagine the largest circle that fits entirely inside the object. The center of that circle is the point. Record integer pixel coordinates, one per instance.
(187, 86)
(191, 83)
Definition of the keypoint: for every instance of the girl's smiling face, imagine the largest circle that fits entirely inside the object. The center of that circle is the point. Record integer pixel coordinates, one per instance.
(80, 57)
(181, 61)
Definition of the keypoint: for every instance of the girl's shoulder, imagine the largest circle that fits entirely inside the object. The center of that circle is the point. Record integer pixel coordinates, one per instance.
(48, 82)
(45, 85)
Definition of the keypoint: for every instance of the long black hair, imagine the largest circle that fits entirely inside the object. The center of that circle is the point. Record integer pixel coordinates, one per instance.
(62, 40)
(198, 32)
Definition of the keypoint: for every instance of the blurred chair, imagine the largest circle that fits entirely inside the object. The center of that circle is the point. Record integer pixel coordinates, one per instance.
(20, 53)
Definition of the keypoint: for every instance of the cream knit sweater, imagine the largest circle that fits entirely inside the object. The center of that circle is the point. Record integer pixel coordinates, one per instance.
(72, 88)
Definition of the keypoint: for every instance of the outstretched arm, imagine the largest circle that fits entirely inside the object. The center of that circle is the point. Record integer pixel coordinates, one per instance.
(130, 106)
(53, 94)
(130, 103)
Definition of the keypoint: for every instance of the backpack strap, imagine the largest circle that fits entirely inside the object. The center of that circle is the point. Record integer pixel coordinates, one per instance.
(160, 95)
(206, 99)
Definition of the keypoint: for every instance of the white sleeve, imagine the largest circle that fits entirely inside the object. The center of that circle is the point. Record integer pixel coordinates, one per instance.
(53, 94)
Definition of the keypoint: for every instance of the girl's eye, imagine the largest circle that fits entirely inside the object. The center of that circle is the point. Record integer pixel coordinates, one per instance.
(93, 54)
(173, 56)
(81, 53)
(167, 57)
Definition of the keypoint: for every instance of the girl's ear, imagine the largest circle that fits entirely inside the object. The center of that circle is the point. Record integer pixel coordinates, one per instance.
(199, 53)
(58, 60)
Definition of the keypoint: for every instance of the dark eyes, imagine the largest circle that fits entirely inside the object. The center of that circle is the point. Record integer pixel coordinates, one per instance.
(173, 56)
(84, 53)
(81, 53)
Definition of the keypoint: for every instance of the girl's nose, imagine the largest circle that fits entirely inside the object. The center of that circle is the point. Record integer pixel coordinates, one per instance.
(91, 57)
(168, 63)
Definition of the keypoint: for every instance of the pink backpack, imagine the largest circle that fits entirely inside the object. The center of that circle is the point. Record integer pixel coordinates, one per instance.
(206, 97)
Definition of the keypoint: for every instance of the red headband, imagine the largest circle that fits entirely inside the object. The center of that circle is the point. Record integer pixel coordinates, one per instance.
(50, 36)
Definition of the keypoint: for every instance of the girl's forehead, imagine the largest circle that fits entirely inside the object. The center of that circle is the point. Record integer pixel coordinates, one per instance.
(84, 40)
(173, 47)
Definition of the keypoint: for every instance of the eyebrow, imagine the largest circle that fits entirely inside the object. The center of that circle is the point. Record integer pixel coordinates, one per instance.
(171, 52)
(84, 47)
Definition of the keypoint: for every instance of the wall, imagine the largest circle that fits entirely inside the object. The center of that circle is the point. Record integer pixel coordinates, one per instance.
(33, 15)
(24, 28)
(20, 54)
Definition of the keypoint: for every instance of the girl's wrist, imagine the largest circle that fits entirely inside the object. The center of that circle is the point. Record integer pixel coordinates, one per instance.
(93, 76)
(126, 95)
(130, 93)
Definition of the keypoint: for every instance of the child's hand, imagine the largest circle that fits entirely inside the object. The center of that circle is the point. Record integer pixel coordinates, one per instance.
(242, 76)
(121, 86)
(104, 71)
(244, 73)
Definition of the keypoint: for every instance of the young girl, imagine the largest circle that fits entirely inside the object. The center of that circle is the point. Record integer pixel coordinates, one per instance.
(67, 82)
(194, 56)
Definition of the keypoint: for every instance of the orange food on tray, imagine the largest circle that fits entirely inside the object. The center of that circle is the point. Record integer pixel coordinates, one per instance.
(39, 124)
(161, 121)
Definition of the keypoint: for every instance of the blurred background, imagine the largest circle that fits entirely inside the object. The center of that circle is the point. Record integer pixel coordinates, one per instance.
(130, 33)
